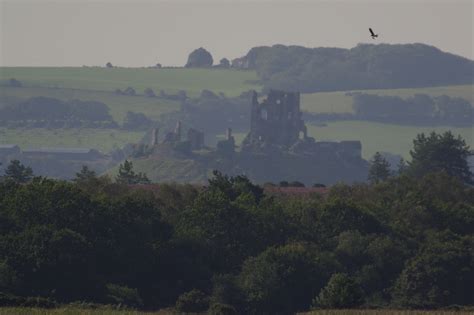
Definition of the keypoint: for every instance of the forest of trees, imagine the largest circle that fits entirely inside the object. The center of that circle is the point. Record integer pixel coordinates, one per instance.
(366, 66)
(54, 113)
(405, 240)
(419, 109)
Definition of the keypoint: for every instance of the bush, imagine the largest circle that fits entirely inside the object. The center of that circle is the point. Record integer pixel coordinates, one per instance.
(193, 301)
(340, 292)
(221, 309)
(117, 294)
(199, 58)
(39, 302)
(14, 83)
(12, 300)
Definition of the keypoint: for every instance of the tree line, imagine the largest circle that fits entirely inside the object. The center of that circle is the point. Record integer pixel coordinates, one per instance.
(404, 240)
(54, 113)
(419, 109)
(366, 66)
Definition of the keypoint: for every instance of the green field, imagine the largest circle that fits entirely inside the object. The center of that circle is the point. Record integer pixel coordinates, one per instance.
(375, 137)
(98, 84)
(119, 105)
(103, 140)
(193, 81)
(339, 102)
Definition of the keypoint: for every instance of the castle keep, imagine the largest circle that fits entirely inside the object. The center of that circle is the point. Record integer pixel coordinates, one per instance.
(277, 119)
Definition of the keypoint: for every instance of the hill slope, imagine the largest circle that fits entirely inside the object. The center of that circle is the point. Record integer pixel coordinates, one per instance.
(193, 81)
(365, 66)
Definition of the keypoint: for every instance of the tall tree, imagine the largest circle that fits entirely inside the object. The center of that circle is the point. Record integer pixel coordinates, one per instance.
(402, 166)
(441, 152)
(85, 174)
(18, 172)
(126, 175)
(379, 170)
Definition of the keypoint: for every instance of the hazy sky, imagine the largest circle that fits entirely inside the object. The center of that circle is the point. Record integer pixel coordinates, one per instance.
(143, 33)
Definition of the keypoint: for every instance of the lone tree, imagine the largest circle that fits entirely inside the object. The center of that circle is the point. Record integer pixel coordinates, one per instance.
(127, 176)
(441, 152)
(224, 63)
(149, 92)
(85, 175)
(109, 65)
(379, 170)
(199, 58)
(18, 172)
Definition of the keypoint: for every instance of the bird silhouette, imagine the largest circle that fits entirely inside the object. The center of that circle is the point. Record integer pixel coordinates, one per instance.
(373, 34)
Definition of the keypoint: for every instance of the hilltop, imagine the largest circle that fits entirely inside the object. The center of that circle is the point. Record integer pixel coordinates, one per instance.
(366, 66)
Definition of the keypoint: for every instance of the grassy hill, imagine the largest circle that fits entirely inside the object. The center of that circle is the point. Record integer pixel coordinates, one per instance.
(341, 102)
(365, 66)
(171, 80)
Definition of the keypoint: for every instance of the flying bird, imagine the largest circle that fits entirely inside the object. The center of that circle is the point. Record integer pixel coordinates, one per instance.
(373, 34)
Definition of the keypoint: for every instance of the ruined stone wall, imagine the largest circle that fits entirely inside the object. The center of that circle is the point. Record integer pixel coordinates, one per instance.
(277, 119)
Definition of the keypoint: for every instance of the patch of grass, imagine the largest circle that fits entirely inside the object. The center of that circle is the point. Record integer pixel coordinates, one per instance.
(103, 140)
(339, 102)
(381, 137)
(119, 105)
(385, 312)
(229, 81)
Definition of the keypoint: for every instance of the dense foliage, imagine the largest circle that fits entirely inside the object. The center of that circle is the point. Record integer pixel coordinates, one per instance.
(404, 241)
(50, 112)
(199, 58)
(418, 109)
(365, 66)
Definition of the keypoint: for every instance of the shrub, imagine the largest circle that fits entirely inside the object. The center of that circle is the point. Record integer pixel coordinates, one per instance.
(193, 301)
(123, 295)
(340, 292)
(221, 309)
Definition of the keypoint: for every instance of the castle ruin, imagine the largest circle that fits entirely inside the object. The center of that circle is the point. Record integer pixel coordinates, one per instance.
(277, 119)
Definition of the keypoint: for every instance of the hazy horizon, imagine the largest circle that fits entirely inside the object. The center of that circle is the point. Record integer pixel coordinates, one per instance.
(143, 33)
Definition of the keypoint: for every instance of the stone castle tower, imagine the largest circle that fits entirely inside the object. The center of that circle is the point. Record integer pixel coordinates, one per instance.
(277, 119)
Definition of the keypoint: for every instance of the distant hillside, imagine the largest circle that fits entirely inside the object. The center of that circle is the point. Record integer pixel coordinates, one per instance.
(365, 66)
(231, 82)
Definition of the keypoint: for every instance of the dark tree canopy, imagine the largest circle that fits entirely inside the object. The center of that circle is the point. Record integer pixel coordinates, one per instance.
(441, 152)
(126, 175)
(365, 66)
(340, 292)
(18, 172)
(224, 63)
(379, 170)
(231, 247)
(199, 58)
